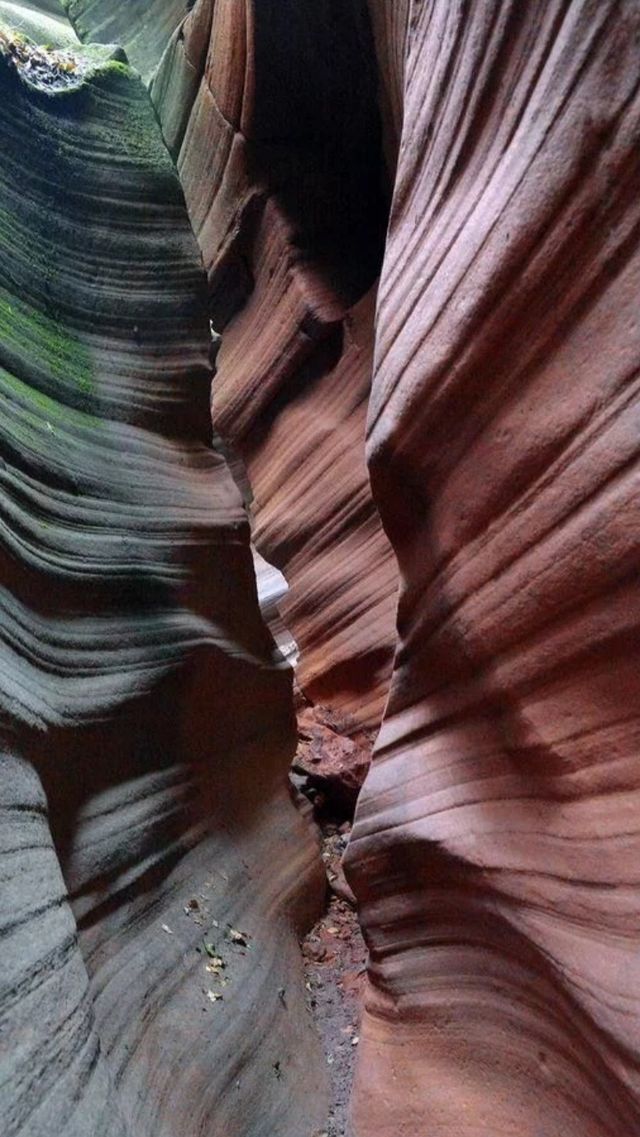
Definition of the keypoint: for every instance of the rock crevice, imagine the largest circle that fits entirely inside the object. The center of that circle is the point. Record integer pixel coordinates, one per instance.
(451, 408)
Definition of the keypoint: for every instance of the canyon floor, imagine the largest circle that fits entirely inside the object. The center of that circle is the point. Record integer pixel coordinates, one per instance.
(334, 951)
(335, 961)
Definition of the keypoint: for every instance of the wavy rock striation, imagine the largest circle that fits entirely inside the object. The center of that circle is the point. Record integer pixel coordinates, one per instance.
(496, 843)
(146, 718)
(285, 194)
(145, 721)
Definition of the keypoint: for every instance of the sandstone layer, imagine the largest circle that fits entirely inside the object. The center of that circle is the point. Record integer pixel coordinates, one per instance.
(496, 843)
(142, 28)
(286, 195)
(145, 716)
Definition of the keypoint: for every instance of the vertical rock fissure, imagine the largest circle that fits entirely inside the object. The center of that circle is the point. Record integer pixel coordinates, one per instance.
(330, 764)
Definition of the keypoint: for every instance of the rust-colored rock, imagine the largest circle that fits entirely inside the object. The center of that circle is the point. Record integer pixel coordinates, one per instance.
(334, 756)
(285, 193)
(147, 721)
(497, 837)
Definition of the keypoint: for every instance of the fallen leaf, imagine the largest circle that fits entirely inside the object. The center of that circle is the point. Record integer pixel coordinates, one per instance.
(167, 929)
(238, 937)
(214, 996)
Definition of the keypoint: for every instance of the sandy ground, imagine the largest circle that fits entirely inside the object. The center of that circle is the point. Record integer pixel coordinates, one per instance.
(335, 960)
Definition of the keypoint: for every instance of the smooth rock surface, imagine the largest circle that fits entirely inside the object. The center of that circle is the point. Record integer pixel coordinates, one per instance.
(146, 721)
(143, 27)
(496, 841)
(285, 194)
(497, 838)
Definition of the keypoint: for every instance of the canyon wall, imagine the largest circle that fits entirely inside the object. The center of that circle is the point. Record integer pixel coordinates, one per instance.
(147, 717)
(496, 842)
(270, 112)
(155, 873)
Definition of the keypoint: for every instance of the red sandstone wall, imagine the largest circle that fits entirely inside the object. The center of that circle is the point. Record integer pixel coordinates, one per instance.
(286, 193)
(497, 838)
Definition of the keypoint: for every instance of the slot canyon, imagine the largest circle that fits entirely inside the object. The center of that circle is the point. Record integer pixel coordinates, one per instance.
(319, 568)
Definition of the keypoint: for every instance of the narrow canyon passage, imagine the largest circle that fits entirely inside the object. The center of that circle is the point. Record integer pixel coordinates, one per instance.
(319, 552)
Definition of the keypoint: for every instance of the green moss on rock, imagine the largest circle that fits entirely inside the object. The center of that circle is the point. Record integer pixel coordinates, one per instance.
(58, 68)
(38, 25)
(47, 344)
(143, 29)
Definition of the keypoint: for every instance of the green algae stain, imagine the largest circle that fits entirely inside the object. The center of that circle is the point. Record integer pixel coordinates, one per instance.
(117, 67)
(43, 407)
(34, 419)
(43, 344)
